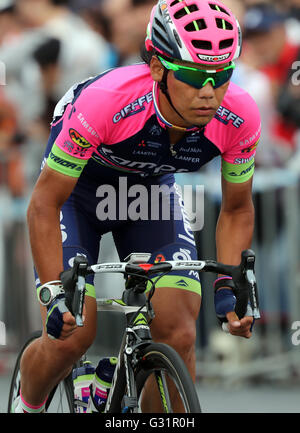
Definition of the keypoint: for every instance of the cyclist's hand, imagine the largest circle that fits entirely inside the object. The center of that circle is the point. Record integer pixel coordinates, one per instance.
(60, 323)
(239, 327)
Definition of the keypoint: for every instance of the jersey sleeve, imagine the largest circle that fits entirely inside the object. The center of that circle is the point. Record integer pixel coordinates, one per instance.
(238, 160)
(81, 134)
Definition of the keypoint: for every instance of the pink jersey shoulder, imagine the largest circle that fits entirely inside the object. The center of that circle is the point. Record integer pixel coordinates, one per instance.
(104, 103)
(236, 127)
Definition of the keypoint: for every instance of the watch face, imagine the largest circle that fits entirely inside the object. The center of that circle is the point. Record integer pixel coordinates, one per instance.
(45, 295)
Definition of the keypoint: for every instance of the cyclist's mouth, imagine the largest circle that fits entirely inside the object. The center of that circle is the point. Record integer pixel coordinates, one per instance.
(204, 111)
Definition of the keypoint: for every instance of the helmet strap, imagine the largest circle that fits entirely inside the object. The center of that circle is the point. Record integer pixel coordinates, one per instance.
(164, 88)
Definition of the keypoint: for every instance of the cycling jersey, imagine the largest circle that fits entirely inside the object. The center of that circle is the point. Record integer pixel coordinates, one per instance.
(109, 128)
(113, 120)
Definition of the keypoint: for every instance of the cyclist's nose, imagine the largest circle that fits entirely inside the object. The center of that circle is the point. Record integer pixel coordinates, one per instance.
(206, 91)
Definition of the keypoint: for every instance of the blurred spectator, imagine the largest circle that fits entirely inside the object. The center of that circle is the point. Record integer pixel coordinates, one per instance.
(129, 20)
(83, 52)
(47, 58)
(293, 21)
(11, 160)
(55, 49)
(10, 28)
(269, 49)
(258, 85)
(92, 13)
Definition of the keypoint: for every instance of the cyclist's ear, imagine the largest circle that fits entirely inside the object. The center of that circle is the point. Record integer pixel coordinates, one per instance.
(156, 69)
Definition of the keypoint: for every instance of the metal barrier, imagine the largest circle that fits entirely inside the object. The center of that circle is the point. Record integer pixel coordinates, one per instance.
(271, 353)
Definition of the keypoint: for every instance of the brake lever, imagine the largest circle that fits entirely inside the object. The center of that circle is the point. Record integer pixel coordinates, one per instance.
(253, 295)
(74, 284)
(245, 280)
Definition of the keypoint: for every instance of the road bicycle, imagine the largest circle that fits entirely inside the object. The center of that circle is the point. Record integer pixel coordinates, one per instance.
(140, 358)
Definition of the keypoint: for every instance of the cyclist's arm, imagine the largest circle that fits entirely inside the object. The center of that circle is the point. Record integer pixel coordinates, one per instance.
(43, 216)
(236, 221)
(233, 235)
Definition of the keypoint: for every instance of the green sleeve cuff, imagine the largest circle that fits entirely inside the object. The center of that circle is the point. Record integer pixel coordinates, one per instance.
(238, 173)
(65, 163)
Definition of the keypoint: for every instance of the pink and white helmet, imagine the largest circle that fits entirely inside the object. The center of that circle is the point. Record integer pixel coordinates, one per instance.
(199, 31)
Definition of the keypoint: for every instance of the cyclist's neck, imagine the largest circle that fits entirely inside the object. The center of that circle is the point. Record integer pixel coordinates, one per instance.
(180, 127)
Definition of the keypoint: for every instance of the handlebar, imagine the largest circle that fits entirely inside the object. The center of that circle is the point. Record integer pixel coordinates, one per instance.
(243, 276)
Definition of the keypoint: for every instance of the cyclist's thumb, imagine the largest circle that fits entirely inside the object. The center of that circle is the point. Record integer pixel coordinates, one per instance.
(69, 319)
(233, 320)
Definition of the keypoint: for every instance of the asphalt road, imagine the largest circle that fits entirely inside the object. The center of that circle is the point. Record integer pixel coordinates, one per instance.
(216, 399)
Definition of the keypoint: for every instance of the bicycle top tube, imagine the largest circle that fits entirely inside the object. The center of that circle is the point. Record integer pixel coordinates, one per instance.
(105, 304)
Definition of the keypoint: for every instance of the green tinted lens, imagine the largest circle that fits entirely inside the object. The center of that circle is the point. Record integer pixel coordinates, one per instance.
(200, 78)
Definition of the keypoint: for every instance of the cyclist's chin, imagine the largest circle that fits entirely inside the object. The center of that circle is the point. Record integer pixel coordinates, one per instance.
(200, 120)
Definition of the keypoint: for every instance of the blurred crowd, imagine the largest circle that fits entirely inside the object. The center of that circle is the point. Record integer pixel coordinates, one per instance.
(46, 46)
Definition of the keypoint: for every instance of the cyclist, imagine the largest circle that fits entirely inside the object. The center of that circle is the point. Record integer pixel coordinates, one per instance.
(140, 124)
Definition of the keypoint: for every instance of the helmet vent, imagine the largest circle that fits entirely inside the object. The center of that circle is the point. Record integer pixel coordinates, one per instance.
(159, 24)
(185, 11)
(223, 24)
(174, 3)
(202, 45)
(177, 38)
(196, 25)
(226, 43)
(161, 39)
(218, 8)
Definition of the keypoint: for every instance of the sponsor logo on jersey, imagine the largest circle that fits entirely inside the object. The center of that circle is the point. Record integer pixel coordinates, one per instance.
(254, 137)
(133, 107)
(226, 116)
(213, 58)
(64, 162)
(87, 126)
(250, 149)
(74, 150)
(78, 139)
(159, 258)
(243, 160)
(182, 283)
(243, 172)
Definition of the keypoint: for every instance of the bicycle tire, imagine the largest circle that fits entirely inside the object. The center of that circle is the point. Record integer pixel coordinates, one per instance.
(62, 395)
(160, 358)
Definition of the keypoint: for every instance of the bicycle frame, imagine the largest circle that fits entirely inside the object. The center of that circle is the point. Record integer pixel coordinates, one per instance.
(135, 336)
(138, 335)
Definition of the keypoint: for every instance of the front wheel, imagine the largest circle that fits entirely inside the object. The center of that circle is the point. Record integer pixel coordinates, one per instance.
(163, 382)
(61, 398)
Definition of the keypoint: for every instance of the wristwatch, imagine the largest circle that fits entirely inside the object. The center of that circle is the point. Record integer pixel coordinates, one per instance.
(48, 291)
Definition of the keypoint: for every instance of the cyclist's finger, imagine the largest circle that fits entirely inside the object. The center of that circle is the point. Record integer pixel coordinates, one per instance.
(69, 319)
(233, 320)
(238, 327)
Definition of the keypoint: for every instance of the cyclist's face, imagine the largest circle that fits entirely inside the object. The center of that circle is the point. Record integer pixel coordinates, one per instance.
(196, 106)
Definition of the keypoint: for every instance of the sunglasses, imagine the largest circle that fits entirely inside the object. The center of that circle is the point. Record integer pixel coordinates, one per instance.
(199, 77)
